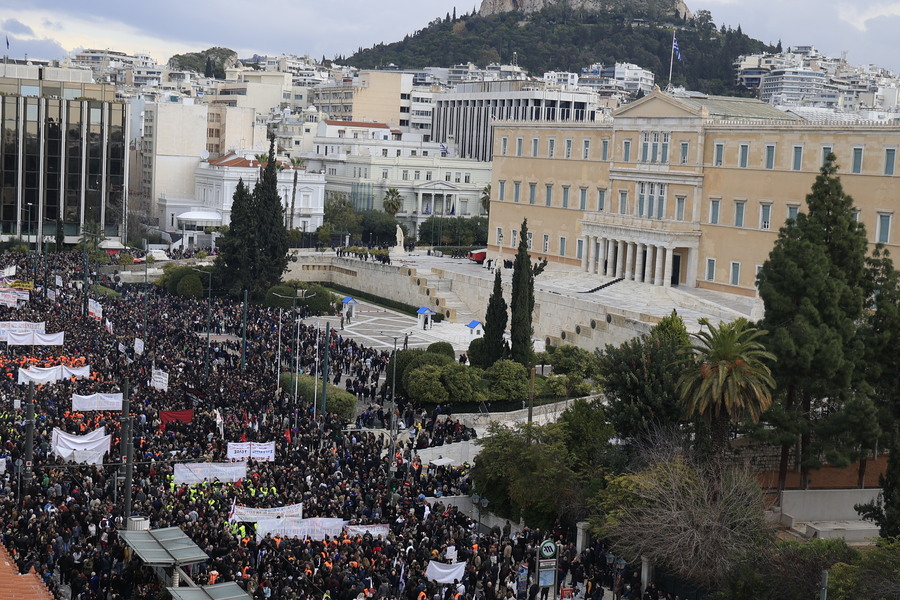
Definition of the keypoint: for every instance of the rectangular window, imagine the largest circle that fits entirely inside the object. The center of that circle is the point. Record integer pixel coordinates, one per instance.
(654, 148)
(739, 214)
(684, 153)
(501, 190)
(548, 198)
(427, 175)
(884, 228)
(735, 273)
(546, 243)
(601, 200)
(565, 202)
(679, 208)
(720, 155)
(626, 151)
(516, 188)
(713, 212)
(582, 199)
(665, 148)
(579, 248)
(890, 156)
(792, 212)
(499, 236)
(604, 150)
(770, 156)
(641, 195)
(514, 241)
(417, 175)
(857, 160)
(384, 173)
(797, 162)
(568, 148)
(534, 147)
(504, 143)
(661, 201)
(467, 178)
(447, 176)
(562, 246)
(532, 192)
(518, 146)
(710, 269)
(645, 147)
(765, 216)
(530, 242)
(623, 202)
(744, 156)
(458, 177)
(586, 150)
(405, 175)
(826, 150)
(551, 147)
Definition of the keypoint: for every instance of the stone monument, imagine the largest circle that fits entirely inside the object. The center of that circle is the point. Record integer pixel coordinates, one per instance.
(399, 248)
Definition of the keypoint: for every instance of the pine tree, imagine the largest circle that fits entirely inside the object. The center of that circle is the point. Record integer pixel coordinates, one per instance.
(238, 249)
(812, 286)
(521, 328)
(271, 232)
(495, 324)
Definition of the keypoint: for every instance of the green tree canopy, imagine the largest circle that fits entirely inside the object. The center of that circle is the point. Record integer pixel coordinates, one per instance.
(494, 345)
(522, 305)
(393, 201)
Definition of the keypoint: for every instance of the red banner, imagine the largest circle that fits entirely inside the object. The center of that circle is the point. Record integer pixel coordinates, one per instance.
(185, 416)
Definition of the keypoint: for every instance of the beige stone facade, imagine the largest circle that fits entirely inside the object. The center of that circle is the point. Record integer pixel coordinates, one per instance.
(681, 190)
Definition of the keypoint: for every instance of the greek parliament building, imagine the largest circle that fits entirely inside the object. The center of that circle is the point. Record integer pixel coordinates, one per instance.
(63, 154)
(683, 189)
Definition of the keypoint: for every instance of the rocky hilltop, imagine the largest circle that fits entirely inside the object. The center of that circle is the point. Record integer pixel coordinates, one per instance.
(650, 8)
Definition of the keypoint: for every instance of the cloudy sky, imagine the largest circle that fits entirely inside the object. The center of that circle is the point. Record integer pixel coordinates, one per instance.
(52, 28)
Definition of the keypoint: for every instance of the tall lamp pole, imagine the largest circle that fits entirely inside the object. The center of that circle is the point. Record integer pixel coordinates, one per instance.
(208, 318)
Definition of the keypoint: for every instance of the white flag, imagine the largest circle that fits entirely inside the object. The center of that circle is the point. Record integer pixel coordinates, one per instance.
(138, 346)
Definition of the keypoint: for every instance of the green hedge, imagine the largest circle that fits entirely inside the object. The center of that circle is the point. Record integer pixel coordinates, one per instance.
(339, 401)
(386, 302)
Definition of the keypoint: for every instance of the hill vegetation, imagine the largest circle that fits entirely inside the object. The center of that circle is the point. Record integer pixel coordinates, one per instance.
(562, 38)
(212, 62)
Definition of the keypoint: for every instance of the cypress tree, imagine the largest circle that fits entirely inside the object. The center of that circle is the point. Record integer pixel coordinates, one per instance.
(271, 232)
(521, 328)
(238, 249)
(495, 324)
(813, 289)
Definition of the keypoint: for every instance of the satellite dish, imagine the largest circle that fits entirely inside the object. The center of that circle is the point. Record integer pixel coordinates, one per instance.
(204, 155)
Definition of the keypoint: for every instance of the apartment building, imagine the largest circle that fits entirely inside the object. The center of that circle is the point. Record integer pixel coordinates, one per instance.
(684, 190)
(63, 148)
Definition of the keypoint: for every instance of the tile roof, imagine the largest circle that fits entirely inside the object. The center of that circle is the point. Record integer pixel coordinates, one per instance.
(19, 587)
(727, 107)
(357, 124)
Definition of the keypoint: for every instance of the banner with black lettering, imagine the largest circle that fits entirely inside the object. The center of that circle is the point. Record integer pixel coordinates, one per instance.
(245, 514)
(193, 473)
(97, 402)
(291, 527)
(261, 452)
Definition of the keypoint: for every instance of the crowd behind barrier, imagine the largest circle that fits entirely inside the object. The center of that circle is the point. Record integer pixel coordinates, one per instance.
(63, 522)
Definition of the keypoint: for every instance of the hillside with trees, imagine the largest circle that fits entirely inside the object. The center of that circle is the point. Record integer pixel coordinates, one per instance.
(212, 62)
(563, 38)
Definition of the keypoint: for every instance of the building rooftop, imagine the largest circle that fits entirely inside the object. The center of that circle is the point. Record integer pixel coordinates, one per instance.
(726, 107)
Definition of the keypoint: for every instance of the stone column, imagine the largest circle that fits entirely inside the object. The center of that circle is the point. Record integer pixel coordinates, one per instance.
(620, 259)
(667, 274)
(629, 260)
(418, 205)
(610, 257)
(691, 273)
(639, 262)
(593, 249)
(660, 254)
(648, 264)
(586, 254)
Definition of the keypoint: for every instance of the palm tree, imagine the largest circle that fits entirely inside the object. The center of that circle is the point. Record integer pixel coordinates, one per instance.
(296, 164)
(393, 202)
(262, 158)
(486, 199)
(727, 379)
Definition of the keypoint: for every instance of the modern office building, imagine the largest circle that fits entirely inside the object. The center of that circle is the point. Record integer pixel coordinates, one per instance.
(64, 154)
(686, 190)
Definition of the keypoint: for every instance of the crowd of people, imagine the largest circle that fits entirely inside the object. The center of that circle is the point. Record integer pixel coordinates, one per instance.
(61, 519)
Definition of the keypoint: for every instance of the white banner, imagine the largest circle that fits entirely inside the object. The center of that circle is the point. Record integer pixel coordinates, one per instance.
(444, 573)
(245, 514)
(160, 380)
(373, 530)
(262, 452)
(88, 448)
(138, 346)
(10, 300)
(192, 473)
(97, 402)
(59, 281)
(51, 295)
(315, 529)
(18, 326)
(42, 375)
(35, 338)
(95, 310)
(59, 434)
(88, 457)
(9, 271)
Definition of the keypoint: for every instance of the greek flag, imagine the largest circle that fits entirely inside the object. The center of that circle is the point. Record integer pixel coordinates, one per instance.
(444, 149)
(675, 48)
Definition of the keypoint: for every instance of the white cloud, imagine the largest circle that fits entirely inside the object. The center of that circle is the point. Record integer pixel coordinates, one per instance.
(859, 17)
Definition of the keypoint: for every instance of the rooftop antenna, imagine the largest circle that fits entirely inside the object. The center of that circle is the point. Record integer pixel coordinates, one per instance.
(515, 59)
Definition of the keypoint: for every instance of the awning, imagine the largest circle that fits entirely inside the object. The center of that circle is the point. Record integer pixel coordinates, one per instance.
(473, 324)
(164, 547)
(204, 218)
(441, 461)
(350, 301)
(425, 311)
(219, 591)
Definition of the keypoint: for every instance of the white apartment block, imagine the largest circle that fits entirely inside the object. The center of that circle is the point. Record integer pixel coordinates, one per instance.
(464, 117)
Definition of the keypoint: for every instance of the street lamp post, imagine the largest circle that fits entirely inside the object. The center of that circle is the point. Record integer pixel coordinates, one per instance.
(296, 361)
(208, 318)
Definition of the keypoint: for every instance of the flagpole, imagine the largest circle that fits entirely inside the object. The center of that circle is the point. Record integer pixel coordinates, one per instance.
(672, 58)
